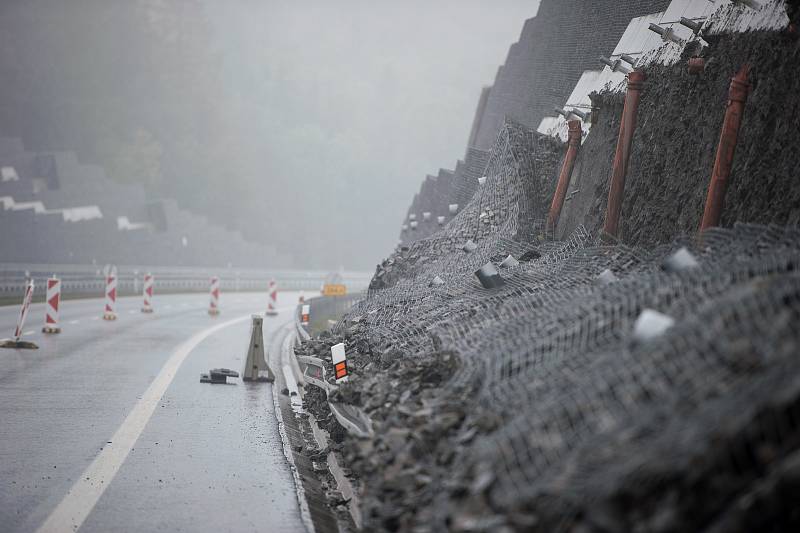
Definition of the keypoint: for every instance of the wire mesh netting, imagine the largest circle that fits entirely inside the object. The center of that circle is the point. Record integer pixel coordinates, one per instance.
(558, 403)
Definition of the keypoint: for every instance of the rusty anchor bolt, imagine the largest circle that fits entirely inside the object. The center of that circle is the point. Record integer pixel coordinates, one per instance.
(667, 34)
(723, 163)
(696, 65)
(563, 112)
(584, 115)
(692, 25)
(615, 65)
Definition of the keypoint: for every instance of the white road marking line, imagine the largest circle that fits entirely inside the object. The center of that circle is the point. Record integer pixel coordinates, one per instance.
(74, 321)
(29, 332)
(73, 510)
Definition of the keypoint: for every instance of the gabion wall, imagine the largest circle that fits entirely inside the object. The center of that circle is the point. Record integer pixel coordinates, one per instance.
(534, 406)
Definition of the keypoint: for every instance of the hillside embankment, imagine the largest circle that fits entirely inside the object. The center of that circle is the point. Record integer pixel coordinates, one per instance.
(605, 386)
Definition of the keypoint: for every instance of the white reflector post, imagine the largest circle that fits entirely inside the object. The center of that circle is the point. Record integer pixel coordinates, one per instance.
(109, 312)
(147, 293)
(272, 302)
(23, 312)
(339, 360)
(213, 302)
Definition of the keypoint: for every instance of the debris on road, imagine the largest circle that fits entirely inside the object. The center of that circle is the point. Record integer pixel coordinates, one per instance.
(218, 376)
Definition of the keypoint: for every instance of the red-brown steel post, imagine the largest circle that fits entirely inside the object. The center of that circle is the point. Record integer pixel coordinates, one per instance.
(623, 154)
(737, 96)
(574, 140)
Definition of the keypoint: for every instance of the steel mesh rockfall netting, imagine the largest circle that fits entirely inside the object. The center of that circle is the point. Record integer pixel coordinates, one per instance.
(555, 414)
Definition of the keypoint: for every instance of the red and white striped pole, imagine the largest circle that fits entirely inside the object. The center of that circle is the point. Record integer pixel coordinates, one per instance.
(272, 304)
(23, 313)
(51, 304)
(149, 281)
(213, 304)
(111, 296)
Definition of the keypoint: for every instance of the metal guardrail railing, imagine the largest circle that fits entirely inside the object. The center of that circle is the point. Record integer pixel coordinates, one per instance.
(349, 417)
(88, 280)
(325, 308)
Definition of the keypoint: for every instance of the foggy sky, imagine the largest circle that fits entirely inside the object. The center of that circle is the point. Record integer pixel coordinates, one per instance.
(304, 124)
(354, 102)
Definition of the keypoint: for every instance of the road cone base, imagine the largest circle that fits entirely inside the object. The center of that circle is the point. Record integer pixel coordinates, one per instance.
(24, 345)
(213, 312)
(51, 329)
(109, 316)
(147, 309)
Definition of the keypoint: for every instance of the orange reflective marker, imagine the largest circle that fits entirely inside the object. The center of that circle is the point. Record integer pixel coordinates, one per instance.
(339, 360)
(340, 370)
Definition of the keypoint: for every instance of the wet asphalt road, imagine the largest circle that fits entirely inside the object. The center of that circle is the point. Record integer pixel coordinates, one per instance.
(209, 458)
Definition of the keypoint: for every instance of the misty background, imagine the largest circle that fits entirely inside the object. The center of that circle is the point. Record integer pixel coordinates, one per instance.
(308, 125)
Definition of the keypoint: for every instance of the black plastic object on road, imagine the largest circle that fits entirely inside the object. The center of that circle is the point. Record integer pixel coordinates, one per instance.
(19, 345)
(489, 276)
(218, 375)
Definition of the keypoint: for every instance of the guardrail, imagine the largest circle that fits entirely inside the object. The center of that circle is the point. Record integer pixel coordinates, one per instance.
(87, 280)
(313, 368)
(322, 309)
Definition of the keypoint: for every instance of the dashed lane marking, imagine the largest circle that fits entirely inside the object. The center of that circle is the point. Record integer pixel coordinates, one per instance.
(73, 510)
(74, 321)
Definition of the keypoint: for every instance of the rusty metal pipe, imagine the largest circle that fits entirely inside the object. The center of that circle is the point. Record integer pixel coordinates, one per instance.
(622, 156)
(574, 140)
(737, 96)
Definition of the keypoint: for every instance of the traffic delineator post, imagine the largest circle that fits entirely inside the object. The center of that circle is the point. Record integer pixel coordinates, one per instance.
(147, 293)
(301, 298)
(109, 313)
(339, 360)
(272, 303)
(213, 304)
(51, 305)
(255, 366)
(16, 342)
(305, 313)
